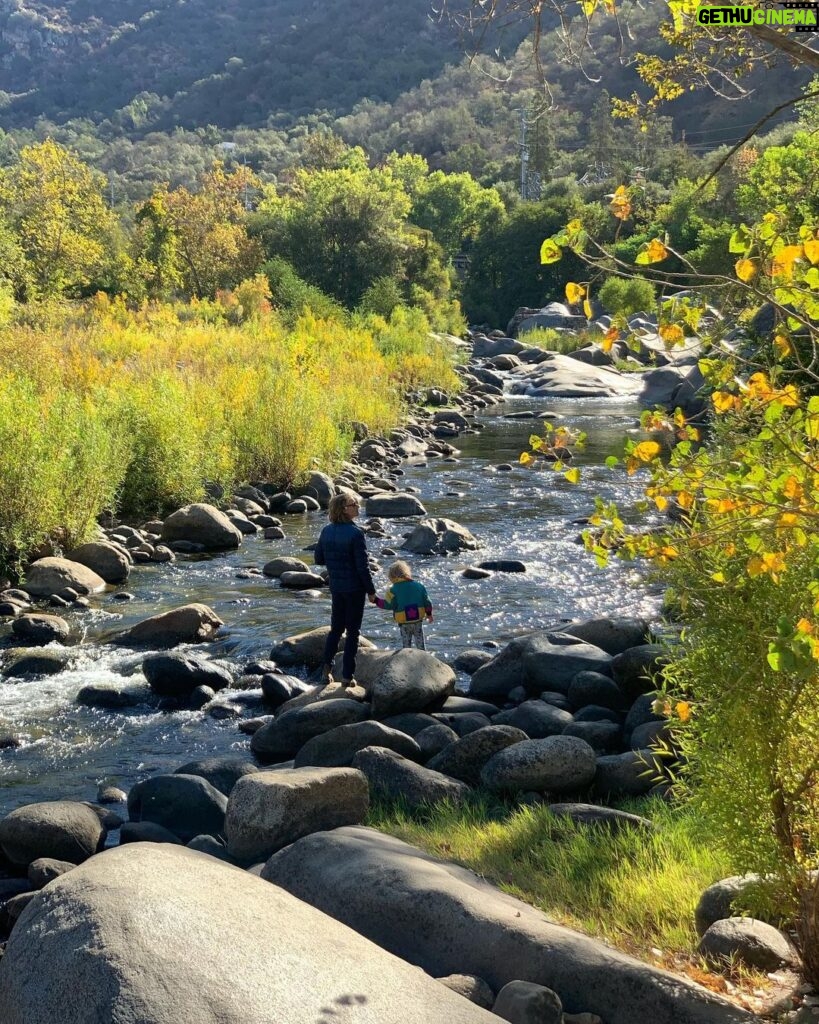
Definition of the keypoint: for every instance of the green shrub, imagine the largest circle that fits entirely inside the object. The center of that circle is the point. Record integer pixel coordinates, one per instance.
(624, 296)
(292, 296)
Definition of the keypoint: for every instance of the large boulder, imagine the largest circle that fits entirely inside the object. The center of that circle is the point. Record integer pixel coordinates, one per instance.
(749, 942)
(61, 829)
(221, 772)
(465, 758)
(202, 524)
(179, 673)
(107, 942)
(186, 805)
(370, 662)
(717, 901)
(269, 810)
(612, 635)
(306, 648)
(447, 920)
(190, 624)
(49, 576)
(536, 718)
(336, 748)
(322, 488)
(281, 739)
(37, 628)
(279, 687)
(539, 661)
(593, 688)
(107, 560)
(388, 505)
(632, 773)
(277, 567)
(20, 663)
(393, 777)
(557, 764)
(411, 680)
(439, 537)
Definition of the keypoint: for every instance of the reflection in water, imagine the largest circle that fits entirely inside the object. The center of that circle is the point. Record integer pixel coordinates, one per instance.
(522, 514)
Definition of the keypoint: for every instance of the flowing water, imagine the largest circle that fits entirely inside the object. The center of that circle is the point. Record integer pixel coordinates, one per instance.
(522, 514)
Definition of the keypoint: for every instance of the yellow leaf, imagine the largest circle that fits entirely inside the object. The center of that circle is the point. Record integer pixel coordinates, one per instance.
(685, 499)
(525, 458)
(536, 442)
(672, 334)
(573, 476)
(609, 338)
(755, 566)
(656, 251)
(620, 204)
(782, 345)
(726, 505)
(788, 396)
(793, 488)
(784, 260)
(587, 310)
(718, 577)
(669, 552)
(661, 706)
(811, 247)
(550, 251)
(759, 386)
(746, 269)
(804, 626)
(788, 519)
(574, 292)
(646, 451)
(683, 709)
(661, 502)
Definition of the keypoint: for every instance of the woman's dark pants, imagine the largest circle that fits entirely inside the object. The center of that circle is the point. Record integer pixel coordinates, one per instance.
(346, 617)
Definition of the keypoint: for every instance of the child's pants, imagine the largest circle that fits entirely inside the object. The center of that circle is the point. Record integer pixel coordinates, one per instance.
(412, 631)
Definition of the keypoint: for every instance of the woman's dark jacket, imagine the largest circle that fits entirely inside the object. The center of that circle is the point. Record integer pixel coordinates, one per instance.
(342, 548)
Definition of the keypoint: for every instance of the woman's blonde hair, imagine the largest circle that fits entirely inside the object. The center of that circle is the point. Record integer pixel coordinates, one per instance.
(335, 510)
(399, 571)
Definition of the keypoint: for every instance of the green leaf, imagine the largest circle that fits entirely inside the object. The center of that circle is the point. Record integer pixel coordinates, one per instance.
(612, 461)
(740, 241)
(550, 252)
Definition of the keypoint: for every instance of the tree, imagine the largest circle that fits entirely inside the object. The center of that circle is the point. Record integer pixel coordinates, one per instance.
(455, 209)
(212, 242)
(55, 207)
(158, 246)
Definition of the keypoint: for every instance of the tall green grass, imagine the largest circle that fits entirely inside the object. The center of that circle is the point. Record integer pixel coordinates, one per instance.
(135, 411)
(637, 889)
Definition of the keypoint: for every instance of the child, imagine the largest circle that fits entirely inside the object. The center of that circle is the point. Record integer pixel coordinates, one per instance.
(409, 603)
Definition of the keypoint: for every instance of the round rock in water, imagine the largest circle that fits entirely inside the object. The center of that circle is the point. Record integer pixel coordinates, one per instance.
(61, 829)
(192, 623)
(37, 628)
(107, 560)
(49, 576)
(278, 566)
(202, 524)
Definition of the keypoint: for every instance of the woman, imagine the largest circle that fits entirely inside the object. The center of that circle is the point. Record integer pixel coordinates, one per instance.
(342, 548)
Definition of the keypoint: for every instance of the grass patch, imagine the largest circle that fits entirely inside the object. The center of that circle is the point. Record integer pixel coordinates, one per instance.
(635, 889)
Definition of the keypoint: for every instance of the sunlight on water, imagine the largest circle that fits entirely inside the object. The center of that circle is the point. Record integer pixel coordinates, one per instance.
(517, 514)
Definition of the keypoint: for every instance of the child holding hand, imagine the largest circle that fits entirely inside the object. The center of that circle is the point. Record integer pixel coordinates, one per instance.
(409, 603)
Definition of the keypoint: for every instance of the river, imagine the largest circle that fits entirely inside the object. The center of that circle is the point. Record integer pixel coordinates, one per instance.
(523, 514)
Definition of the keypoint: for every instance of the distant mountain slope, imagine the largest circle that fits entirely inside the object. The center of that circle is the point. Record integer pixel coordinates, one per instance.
(221, 62)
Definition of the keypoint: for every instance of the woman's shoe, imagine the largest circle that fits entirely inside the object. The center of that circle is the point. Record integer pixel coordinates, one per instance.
(348, 684)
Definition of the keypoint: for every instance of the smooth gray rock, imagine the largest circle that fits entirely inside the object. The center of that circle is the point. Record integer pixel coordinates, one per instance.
(465, 759)
(49, 576)
(108, 561)
(463, 722)
(593, 814)
(457, 705)
(539, 661)
(411, 724)
(388, 505)
(630, 774)
(221, 772)
(597, 689)
(147, 832)
(470, 661)
(640, 713)
(557, 764)
(38, 628)
(393, 777)
(12, 909)
(187, 805)
(502, 565)
(301, 581)
(716, 902)
(212, 846)
(179, 673)
(276, 567)
(20, 663)
(447, 920)
(279, 687)
(336, 748)
(202, 524)
(635, 670)
(108, 942)
(46, 869)
(433, 740)
(269, 810)
(440, 537)
(60, 829)
(306, 648)
(612, 635)
(474, 989)
(524, 1002)
(282, 738)
(190, 624)
(104, 695)
(411, 680)
(753, 943)
(602, 737)
(536, 718)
